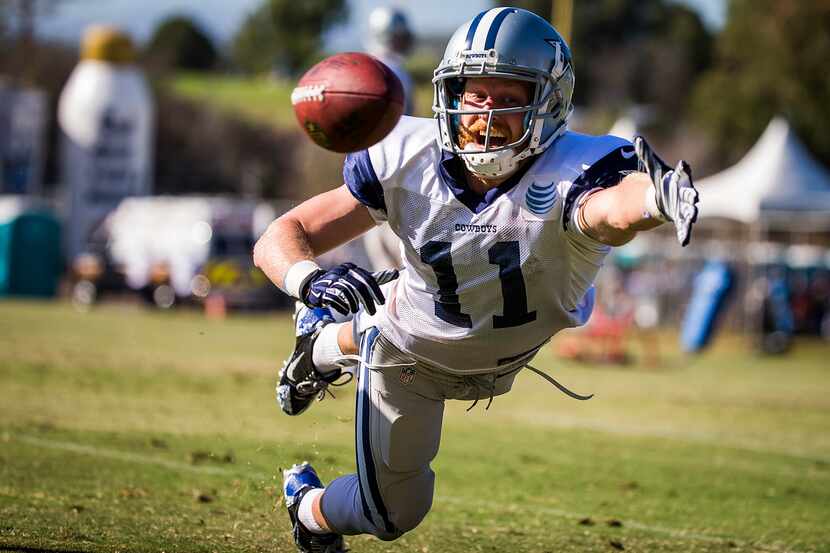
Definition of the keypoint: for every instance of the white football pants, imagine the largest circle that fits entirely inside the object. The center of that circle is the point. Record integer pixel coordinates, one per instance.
(399, 411)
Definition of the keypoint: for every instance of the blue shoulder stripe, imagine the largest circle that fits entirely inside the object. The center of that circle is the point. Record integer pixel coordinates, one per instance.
(606, 172)
(363, 183)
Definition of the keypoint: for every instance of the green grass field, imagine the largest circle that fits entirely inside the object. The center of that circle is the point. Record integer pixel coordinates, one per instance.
(129, 430)
(260, 100)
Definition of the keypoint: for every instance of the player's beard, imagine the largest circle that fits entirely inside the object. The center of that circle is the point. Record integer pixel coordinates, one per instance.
(474, 134)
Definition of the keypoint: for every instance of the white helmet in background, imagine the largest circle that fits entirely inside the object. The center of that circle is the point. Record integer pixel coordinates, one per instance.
(389, 32)
(509, 43)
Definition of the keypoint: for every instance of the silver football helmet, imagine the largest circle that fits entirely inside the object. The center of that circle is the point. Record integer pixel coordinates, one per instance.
(508, 43)
(389, 31)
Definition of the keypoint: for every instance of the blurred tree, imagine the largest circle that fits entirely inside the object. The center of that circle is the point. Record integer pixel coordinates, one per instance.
(771, 59)
(203, 150)
(19, 17)
(4, 16)
(286, 35)
(649, 51)
(18, 34)
(178, 43)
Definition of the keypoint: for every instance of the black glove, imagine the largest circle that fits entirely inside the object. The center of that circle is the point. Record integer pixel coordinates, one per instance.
(345, 287)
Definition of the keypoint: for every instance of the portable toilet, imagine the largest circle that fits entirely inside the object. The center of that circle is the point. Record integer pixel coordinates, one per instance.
(30, 250)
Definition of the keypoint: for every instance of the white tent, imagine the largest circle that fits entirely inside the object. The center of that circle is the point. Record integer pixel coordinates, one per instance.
(777, 178)
(632, 121)
(625, 127)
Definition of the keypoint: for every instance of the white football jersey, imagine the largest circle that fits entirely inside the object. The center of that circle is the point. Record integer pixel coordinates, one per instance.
(487, 281)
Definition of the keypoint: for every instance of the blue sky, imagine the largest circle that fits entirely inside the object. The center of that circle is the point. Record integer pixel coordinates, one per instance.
(221, 18)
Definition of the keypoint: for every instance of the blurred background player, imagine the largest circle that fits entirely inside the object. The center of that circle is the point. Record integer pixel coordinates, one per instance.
(391, 40)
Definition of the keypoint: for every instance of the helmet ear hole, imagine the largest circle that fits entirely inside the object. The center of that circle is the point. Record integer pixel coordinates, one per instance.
(554, 106)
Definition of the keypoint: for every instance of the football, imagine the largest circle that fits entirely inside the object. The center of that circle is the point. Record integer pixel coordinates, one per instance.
(348, 102)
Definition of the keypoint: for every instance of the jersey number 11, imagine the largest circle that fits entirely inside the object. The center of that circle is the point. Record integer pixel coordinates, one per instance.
(437, 255)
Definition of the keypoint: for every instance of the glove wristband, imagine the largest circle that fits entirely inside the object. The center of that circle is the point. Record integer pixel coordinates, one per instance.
(297, 275)
(651, 205)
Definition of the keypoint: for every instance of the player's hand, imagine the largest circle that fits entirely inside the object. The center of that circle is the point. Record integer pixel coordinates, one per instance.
(346, 287)
(675, 195)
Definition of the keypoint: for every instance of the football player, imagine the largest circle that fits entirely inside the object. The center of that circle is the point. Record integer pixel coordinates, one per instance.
(504, 217)
(390, 40)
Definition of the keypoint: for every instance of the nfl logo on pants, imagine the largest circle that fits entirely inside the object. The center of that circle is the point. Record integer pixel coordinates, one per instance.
(408, 375)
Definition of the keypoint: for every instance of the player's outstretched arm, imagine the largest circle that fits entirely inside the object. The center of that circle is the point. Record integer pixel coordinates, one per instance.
(615, 215)
(641, 201)
(287, 249)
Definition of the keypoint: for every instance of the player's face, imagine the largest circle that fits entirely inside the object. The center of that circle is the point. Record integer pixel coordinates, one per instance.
(492, 93)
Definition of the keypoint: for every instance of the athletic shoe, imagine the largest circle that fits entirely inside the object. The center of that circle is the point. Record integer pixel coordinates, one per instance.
(299, 381)
(297, 481)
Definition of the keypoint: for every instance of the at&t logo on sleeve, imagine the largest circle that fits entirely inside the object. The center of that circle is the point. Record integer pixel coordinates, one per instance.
(540, 199)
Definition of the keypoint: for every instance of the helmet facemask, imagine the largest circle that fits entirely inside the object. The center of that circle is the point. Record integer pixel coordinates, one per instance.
(495, 160)
(489, 123)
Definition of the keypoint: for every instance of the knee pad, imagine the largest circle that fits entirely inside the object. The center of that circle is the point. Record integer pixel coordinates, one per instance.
(408, 501)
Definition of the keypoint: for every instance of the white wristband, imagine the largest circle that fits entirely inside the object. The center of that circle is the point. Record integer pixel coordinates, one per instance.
(651, 205)
(296, 275)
